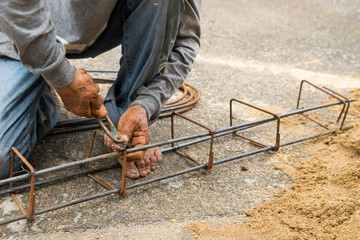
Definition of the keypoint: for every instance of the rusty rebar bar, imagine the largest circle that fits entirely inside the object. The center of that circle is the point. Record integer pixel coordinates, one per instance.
(211, 153)
(31, 213)
(181, 139)
(346, 101)
(189, 170)
(322, 89)
(277, 134)
(62, 177)
(122, 190)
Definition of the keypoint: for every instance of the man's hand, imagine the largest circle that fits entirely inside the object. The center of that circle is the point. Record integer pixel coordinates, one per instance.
(81, 96)
(133, 127)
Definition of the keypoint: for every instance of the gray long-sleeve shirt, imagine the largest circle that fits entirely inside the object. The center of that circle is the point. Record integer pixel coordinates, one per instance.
(32, 32)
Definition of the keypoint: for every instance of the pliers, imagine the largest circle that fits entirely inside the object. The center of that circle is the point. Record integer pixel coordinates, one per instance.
(119, 143)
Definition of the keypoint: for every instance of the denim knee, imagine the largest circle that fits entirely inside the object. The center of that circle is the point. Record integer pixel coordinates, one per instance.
(20, 95)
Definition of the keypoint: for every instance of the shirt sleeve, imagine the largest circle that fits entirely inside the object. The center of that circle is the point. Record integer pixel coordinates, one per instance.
(27, 23)
(154, 96)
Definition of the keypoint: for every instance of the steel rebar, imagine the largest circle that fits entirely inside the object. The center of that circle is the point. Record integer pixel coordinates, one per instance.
(180, 139)
(106, 193)
(179, 105)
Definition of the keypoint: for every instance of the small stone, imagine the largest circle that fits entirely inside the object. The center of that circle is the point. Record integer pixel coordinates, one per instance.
(250, 181)
(173, 183)
(244, 168)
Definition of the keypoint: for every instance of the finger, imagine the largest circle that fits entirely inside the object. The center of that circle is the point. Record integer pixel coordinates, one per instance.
(139, 140)
(96, 102)
(135, 156)
(102, 112)
(141, 167)
(143, 136)
(94, 87)
(82, 110)
(127, 125)
(108, 143)
(81, 70)
(87, 115)
(97, 107)
(126, 131)
(86, 112)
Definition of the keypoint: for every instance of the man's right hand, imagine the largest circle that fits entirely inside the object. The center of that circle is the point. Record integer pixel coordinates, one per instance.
(81, 96)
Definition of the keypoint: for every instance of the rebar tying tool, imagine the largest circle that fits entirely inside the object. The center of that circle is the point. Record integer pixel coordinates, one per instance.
(119, 142)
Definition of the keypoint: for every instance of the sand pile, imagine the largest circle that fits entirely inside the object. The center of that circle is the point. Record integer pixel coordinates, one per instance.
(323, 202)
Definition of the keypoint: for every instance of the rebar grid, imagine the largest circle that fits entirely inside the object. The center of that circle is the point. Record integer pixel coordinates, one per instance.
(209, 135)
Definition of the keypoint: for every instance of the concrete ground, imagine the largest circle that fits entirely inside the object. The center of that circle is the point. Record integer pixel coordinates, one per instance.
(257, 51)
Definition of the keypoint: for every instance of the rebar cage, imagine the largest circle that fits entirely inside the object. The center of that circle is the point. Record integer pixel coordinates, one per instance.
(174, 109)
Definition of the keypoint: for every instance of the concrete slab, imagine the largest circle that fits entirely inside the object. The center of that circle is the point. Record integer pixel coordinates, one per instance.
(257, 51)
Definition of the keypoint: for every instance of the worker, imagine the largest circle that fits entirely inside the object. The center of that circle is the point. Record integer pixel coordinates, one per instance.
(159, 40)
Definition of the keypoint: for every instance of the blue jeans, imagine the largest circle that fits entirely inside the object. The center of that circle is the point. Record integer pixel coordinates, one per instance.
(27, 110)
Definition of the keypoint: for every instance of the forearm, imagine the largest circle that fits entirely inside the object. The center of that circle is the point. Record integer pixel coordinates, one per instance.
(28, 25)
